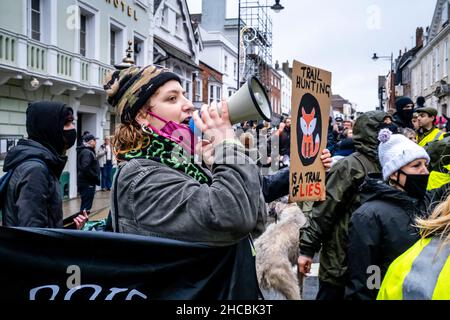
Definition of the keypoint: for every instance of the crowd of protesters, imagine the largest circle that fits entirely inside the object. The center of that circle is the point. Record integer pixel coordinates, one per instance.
(386, 175)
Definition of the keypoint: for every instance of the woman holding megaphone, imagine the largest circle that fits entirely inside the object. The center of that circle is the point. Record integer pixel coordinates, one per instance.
(159, 189)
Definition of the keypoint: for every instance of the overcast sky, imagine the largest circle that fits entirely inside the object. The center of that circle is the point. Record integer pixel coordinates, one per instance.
(341, 36)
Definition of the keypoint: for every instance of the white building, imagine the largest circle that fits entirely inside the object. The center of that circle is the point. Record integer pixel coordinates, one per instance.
(221, 54)
(430, 68)
(175, 45)
(286, 92)
(61, 50)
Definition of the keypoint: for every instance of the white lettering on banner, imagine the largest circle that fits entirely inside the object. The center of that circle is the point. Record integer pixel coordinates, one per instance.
(97, 290)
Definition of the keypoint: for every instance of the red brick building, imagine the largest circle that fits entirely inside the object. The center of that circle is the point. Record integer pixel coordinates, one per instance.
(275, 93)
(207, 85)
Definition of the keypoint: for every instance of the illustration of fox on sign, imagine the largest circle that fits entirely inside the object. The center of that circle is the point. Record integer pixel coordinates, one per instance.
(308, 123)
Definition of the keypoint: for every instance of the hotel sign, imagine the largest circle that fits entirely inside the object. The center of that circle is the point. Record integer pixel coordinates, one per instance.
(130, 11)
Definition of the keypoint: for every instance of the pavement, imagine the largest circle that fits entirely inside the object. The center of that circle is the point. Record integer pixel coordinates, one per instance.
(100, 207)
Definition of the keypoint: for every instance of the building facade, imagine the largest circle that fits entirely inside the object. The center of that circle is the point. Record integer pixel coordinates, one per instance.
(342, 107)
(221, 54)
(286, 88)
(275, 94)
(175, 45)
(61, 50)
(430, 67)
(209, 88)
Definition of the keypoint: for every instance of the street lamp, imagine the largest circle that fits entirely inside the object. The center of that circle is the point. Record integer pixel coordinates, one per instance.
(277, 7)
(391, 57)
(375, 57)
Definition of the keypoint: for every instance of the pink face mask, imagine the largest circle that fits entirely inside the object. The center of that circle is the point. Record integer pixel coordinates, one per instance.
(176, 132)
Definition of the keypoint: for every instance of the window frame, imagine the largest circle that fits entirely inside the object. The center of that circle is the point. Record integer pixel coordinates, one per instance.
(198, 89)
(120, 31)
(82, 15)
(30, 19)
(213, 89)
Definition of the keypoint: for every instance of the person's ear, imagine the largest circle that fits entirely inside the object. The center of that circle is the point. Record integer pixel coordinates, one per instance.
(142, 116)
(394, 176)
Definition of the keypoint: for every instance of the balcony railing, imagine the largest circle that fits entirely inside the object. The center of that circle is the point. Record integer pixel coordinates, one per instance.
(64, 65)
(85, 70)
(18, 52)
(37, 57)
(8, 49)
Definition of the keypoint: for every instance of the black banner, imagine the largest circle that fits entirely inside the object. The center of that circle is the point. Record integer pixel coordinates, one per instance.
(53, 264)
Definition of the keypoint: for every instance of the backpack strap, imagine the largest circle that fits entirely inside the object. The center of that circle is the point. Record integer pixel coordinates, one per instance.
(369, 166)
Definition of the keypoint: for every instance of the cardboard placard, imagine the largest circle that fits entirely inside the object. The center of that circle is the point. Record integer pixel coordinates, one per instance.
(311, 100)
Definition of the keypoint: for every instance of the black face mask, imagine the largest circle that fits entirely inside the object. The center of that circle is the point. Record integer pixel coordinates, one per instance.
(70, 136)
(407, 115)
(415, 184)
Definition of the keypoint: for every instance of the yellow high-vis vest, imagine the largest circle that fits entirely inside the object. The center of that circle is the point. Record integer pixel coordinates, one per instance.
(435, 134)
(421, 273)
(438, 179)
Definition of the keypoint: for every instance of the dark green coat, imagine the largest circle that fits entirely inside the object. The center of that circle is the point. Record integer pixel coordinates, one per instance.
(329, 220)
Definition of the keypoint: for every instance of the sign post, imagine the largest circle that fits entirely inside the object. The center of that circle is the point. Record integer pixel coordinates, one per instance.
(311, 100)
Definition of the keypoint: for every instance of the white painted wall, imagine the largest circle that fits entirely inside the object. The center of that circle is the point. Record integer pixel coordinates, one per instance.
(216, 48)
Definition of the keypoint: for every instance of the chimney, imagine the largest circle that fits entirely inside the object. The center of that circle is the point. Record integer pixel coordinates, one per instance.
(419, 37)
(277, 65)
(285, 67)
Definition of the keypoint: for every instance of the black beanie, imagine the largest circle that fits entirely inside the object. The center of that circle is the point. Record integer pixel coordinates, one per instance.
(420, 101)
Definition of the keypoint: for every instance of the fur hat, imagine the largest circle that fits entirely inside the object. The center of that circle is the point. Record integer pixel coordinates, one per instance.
(128, 90)
(396, 151)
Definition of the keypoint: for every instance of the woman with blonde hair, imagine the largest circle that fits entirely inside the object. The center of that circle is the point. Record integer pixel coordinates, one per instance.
(423, 272)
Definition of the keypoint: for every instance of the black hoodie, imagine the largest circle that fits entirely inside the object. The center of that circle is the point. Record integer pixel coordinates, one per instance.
(33, 195)
(87, 167)
(381, 230)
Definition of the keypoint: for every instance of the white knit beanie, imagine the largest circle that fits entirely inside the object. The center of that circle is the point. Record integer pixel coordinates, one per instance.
(396, 151)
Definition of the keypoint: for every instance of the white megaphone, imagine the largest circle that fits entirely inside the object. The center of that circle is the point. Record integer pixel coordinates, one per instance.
(250, 102)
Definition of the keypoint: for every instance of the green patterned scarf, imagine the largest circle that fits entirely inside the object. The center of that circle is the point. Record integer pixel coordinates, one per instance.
(169, 153)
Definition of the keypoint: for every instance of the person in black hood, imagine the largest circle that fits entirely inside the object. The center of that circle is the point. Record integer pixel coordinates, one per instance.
(33, 196)
(383, 227)
(405, 110)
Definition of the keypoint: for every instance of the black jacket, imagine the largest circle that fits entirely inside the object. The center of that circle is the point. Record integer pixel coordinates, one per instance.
(33, 195)
(285, 142)
(344, 147)
(88, 167)
(327, 227)
(380, 231)
(276, 185)
(401, 123)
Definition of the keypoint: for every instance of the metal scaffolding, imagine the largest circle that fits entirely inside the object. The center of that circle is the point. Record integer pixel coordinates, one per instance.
(255, 45)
